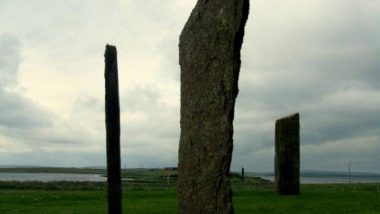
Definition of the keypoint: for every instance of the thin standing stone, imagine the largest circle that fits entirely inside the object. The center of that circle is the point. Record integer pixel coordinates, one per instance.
(287, 158)
(113, 130)
(242, 174)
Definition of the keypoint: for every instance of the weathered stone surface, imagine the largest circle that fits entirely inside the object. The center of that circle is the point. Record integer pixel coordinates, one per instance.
(287, 158)
(209, 48)
(113, 130)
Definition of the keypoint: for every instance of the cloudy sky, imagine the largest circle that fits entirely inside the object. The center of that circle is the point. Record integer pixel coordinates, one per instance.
(319, 57)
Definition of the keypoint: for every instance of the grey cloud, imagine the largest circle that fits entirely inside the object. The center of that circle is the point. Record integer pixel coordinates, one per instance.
(87, 102)
(314, 66)
(155, 128)
(339, 119)
(332, 44)
(9, 60)
(16, 111)
(21, 118)
(334, 155)
(142, 98)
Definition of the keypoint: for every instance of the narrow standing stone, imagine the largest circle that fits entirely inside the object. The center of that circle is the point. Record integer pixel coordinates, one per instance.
(287, 158)
(209, 49)
(242, 174)
(113, 130)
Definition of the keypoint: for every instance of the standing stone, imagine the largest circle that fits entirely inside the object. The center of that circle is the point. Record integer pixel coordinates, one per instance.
(113, 130)
(287, 158)
(242, 174)
(209, 56)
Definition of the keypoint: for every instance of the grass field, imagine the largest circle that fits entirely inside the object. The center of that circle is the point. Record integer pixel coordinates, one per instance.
(65, 198)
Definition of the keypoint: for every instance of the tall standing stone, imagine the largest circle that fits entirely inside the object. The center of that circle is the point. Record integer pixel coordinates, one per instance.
(209, 56)
(287, 158)
(113, 130)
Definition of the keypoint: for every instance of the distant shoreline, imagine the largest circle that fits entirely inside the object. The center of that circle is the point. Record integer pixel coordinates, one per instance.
(102, 170)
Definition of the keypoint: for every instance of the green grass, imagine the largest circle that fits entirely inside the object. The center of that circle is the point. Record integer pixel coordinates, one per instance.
(70, 198)
(65, 202)
(307, 202)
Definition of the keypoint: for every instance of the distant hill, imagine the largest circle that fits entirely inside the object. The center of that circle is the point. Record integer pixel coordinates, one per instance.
(17, 166)
(69, 170)
(317, 173)
(63, 170)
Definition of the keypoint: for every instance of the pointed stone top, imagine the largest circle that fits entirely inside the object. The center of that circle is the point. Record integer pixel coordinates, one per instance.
(110, 51)
(110, 46)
